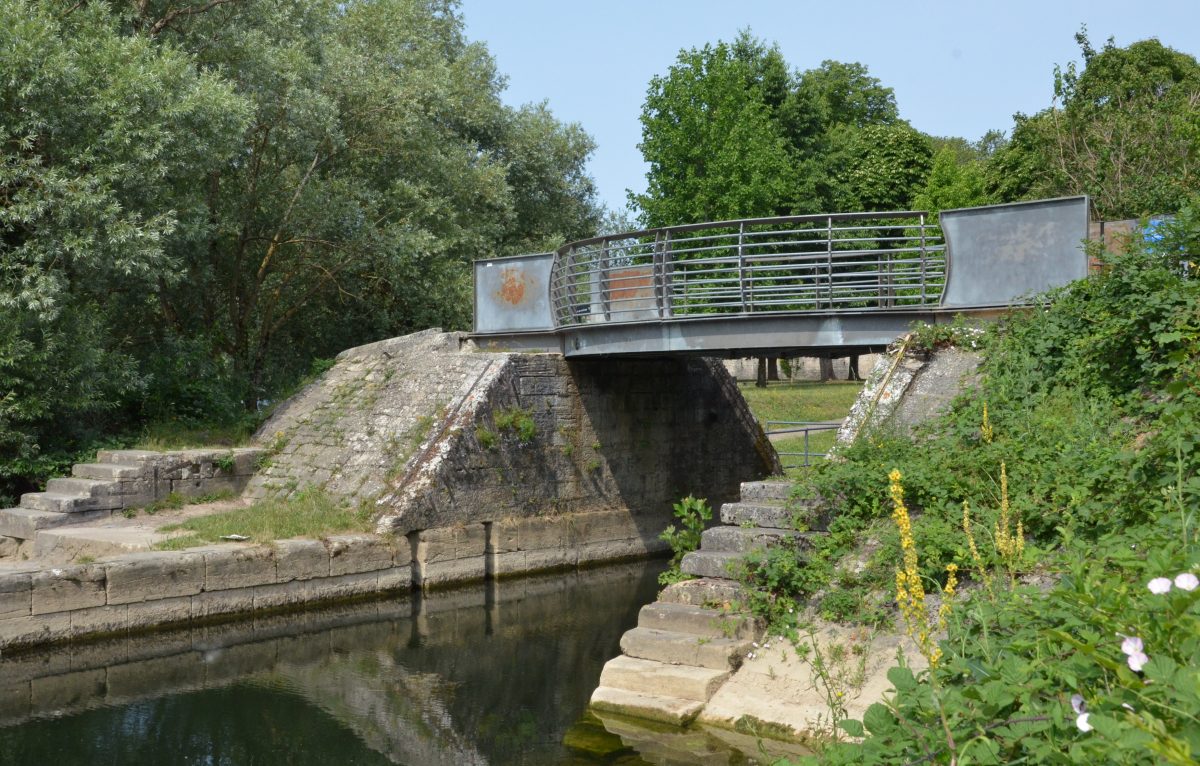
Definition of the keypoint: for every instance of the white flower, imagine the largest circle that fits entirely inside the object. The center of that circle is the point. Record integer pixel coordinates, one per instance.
(1132, 645)
(1082, 722)
(1127, 706)
(1137, 660)
(1159, 585)
(1077, 703)
(1186, 581)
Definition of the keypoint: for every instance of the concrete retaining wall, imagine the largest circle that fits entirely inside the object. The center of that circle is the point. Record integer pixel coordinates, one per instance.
(145, 590)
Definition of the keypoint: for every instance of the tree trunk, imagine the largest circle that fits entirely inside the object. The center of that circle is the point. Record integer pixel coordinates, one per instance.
(852, 368)
(772, 369)
(760, 380)
(826, 369)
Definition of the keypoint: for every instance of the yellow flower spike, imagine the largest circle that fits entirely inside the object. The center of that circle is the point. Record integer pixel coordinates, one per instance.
(985, 428)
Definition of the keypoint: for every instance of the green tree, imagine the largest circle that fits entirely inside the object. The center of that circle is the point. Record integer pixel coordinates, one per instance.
(731, 132)
(952, 183)
(708, 133)
(1125, 130)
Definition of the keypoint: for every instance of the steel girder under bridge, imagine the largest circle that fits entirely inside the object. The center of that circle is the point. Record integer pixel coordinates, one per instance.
(816, 284)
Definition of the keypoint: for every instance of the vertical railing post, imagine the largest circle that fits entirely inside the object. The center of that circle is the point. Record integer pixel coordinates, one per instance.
(668, 276)
(806, 448)
(829, 257)
(922, 219)
(656, 274)
(602, 281)
(742, 266)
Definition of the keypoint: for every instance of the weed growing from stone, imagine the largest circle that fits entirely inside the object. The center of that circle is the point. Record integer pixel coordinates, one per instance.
(693, 514)
(308, 513)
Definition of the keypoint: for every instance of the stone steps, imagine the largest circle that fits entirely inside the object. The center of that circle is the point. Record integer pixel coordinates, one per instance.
(672, 710)
(675, 648)
(640, 676)
(24, 523)
(747, 539)
(120, 479)
(697, 621)
(772, 492)
(704, 563)
(106, 471)
(811, 515)
(710, 592)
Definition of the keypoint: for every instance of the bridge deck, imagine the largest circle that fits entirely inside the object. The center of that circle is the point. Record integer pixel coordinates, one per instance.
(800, 284)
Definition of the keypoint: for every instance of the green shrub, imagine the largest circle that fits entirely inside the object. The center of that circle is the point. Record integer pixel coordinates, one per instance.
(693, 515)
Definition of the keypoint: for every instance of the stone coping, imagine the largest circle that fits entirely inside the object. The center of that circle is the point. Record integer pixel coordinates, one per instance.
(42, 604)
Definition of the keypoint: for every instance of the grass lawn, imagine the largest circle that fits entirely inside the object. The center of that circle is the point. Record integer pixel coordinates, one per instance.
(307, 514)
(802, 402)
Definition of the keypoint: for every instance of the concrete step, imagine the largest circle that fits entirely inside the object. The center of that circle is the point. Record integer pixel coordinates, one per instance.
(774, 492)
(705, 591)
(106, 471)
(128, 457)
(684, 648)
(746, 539)
(61, 503)
(651, 677)
(85, 487)
(678, 712)
(64, 545)
(23, 523)
(811, 515)
(697, 621)
(671, 746)
(712, 564)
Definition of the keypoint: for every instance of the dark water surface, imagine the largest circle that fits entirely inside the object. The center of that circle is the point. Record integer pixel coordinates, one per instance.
(496, 674)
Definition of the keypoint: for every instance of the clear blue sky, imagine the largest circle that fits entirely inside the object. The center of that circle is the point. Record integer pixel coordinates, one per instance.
(958, 68)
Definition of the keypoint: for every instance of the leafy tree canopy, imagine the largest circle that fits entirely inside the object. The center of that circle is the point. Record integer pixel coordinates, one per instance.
(731, 132)
(1125, 130)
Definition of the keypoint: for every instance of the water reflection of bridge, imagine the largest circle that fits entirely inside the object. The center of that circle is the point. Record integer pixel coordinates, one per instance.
(848, 282)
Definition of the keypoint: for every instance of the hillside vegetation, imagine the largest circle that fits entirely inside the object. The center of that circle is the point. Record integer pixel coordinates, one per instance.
(1053, 515)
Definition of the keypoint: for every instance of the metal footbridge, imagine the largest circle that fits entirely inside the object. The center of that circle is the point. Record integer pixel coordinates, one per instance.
(830, 284)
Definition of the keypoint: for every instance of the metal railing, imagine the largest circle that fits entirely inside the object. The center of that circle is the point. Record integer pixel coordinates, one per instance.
(781, 427)
(858, 261)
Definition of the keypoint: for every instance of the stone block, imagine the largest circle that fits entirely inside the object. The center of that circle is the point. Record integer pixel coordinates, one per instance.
(345, 586)
(300, 559)
(434, 545)
(508, 564)
(351, 554)
(167, 611)
(453, 571)
(291, 593)
(402, 552)
(550, 559)
(16, 595)
(605, 525)
(66, 588)
(506, 536)
(206, 605)
(100, 619)
(396, 579)
(152, 576)
(543, 533)
(238, 568)
(38, 629)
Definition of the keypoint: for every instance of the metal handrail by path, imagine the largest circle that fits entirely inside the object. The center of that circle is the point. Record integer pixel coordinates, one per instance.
(782, 427)
(809, 263)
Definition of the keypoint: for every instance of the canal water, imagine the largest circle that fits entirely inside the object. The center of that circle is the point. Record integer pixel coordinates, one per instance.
(496, 674)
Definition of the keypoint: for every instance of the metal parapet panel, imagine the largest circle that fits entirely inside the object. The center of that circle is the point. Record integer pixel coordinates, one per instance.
(1000, 253)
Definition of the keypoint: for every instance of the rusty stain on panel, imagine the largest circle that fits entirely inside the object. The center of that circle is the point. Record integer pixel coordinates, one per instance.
(634, 283)
(512, 285)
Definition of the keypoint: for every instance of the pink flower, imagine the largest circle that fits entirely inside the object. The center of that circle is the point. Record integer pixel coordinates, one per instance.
(1082, 722)
(1131, 645)
(1159, 585)
(1186, 581)
(1137, 661)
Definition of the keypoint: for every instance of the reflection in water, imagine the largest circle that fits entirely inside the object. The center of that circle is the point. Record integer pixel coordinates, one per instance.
(498, 674)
